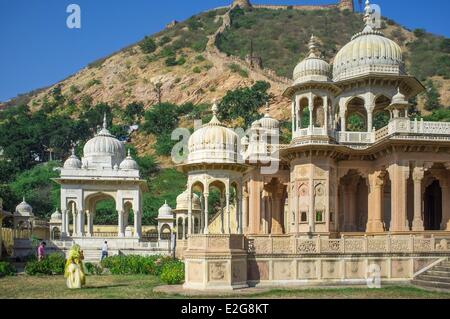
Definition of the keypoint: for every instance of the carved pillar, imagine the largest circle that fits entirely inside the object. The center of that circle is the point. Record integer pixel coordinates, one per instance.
(222, 222)
(264, 209)
(189, 225)
(375, 213)
(205, 229)
(418, 175)
(446, 204)
(296, 193)
(293, 119)
(399, 173)
(64, 222)
(312, 217)
(239, 201)
(89, 218)
(137, 224)
(245, 211)
(80, 223)
(254, 207)
(121, 224)
(445, 189)
(227, 201)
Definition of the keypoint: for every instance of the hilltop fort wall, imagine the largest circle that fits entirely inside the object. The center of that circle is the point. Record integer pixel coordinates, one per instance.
(342, 5)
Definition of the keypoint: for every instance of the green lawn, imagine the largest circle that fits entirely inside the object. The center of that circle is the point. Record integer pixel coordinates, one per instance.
(141, 286)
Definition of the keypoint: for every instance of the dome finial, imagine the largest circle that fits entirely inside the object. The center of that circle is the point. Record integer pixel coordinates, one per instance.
(215, 108)
(368, 19)
(104, 121)
(267, 108)
(313, 47)
(73, 151)
(129, 153)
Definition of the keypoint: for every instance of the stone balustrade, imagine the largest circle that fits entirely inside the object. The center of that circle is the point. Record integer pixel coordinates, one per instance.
(273, 245)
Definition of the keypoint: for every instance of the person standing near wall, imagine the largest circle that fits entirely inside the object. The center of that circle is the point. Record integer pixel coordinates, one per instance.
(104, 250)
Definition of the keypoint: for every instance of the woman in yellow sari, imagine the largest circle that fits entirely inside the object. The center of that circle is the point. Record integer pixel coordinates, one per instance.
(74, 271)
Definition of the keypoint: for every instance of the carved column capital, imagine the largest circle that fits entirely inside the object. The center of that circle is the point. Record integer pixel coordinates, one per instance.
(418, 174)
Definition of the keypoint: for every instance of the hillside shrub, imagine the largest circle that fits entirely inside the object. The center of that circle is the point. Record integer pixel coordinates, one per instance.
(173, 272)
(148, 45)
(6, 269)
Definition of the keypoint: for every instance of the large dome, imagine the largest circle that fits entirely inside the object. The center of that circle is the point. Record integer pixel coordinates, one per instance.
(104, 145)
(213, 143)
(369, 52)
(313, 68)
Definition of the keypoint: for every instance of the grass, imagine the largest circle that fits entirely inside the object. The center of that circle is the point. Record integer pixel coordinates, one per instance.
(141, 287)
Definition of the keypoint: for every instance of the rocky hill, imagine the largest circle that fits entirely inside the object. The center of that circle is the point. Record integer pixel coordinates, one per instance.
(203, 57)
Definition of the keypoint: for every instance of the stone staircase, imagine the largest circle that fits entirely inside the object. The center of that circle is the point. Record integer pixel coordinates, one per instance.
(436, 278)
(92, 255)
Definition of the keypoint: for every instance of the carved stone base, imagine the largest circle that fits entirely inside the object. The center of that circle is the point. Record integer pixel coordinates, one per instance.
(417, 225)
(375, 226)
(215, 262)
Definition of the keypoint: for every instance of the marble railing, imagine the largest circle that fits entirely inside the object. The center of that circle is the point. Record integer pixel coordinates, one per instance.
(273, 245)
(356, 137)
(315, 131)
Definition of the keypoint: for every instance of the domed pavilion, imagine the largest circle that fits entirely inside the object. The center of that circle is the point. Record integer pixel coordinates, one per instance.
(104, 172)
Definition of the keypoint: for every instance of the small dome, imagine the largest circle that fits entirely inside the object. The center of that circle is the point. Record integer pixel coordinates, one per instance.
(399, 98)
(165, 211)
(56, 216)
(313, 68)
(268, 122)
(182, 202)
(104, 144)
(368, 52)
(73, 162)
(213, 143)
(24, 209)
(129, 163)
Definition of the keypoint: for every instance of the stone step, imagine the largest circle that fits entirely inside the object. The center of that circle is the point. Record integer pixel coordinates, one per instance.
(431, 284)
(441, 268)
(427, 277)
(437, 273)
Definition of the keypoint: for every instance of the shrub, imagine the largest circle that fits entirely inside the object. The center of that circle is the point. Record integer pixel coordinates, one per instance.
(196, 70)
(148, 45)
(6, 269)
(53, 264)
(173, 272)
(171, 61)
(93, 269)
(135, 265)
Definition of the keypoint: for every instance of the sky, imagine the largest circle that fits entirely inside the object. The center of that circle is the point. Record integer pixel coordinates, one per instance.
(37, 48)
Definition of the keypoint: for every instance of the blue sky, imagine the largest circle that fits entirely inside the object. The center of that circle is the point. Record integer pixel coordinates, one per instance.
(37, 49)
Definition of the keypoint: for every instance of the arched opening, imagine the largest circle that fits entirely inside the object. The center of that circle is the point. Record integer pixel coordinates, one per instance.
(303, 113)
(216, 207)
(356, 116)
(353, 202)
(101, 211)
(165, 232)
(381, 115)
(180, 228)
(432, 206)
(55, 233)
(318, 112)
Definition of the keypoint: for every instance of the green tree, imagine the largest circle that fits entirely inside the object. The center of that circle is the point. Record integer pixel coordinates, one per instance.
(432, 98)
(134, 112)
(161, 118)
(244, 102)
